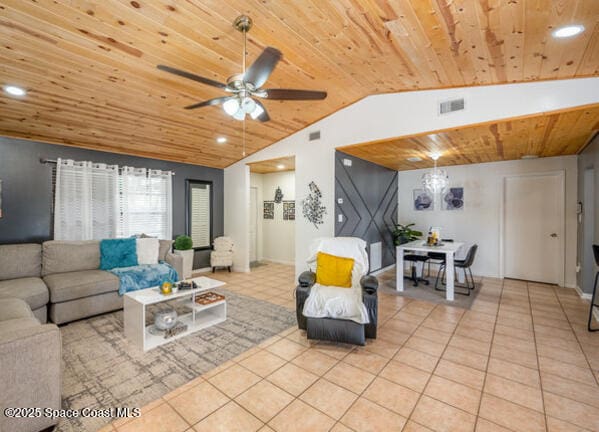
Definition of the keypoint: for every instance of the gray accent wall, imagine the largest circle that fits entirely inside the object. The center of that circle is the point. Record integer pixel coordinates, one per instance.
(588, 222)
(27, 189)
(369, 208)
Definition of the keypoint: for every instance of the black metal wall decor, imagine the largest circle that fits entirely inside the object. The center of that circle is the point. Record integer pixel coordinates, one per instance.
(312, 207)
(278, 195)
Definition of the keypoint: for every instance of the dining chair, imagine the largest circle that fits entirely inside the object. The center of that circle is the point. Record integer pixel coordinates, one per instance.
(437, 257)
(466, 265)
(596, 253)
(414, 259)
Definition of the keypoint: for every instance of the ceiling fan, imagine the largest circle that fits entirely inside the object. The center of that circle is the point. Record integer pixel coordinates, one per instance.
(245, 87)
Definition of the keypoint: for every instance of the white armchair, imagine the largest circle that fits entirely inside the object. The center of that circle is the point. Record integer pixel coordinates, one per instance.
(222, 255)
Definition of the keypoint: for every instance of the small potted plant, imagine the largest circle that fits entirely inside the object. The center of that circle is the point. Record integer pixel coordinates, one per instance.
(404, 234)
(184, 247)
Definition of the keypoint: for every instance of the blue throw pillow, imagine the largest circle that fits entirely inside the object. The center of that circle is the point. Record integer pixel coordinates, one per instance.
(118, 253)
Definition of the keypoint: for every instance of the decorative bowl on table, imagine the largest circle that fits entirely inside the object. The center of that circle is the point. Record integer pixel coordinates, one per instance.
(165, 319)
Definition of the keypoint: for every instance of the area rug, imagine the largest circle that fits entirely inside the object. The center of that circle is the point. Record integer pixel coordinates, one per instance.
(102, 369)
(428, 292)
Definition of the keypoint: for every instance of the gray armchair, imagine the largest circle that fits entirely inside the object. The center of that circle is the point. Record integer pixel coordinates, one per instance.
(338, 330)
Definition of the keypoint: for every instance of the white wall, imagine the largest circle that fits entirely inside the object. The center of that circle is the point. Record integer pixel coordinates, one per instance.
(480, 220)
(380, 117)
(278, 235)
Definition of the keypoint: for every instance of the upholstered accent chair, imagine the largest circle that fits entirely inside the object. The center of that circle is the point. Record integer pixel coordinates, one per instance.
(338, 329)
(222, 255)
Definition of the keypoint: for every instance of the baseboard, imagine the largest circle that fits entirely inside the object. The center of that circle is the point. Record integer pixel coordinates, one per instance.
(382, 270)
(582, 295)
(202, 270)
(277, 261)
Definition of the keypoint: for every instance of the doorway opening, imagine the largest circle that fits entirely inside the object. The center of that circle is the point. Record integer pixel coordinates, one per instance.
(272, 212)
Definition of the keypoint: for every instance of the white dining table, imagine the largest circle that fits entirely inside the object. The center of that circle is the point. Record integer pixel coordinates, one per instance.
(448, 248)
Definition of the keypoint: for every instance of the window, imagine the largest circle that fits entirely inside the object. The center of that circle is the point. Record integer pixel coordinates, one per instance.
(199, 213)
(96, 201)
(146, 203)
(86, 200)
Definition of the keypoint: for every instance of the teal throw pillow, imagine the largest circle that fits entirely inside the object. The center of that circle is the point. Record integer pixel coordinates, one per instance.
(118, 253)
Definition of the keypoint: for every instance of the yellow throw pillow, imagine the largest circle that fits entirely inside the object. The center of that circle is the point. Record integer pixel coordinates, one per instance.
(332, 270)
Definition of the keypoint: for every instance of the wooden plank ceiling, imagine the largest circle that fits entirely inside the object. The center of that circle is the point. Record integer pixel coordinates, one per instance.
(273, 165)
(90, 67)
(563, 132)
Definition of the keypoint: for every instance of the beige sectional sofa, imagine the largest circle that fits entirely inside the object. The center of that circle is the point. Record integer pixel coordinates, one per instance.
(30, 355)
(59, 279)
(62, 280)
(21, 276)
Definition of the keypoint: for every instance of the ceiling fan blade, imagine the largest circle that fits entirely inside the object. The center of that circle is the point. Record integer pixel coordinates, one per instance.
(261, 69)
(263, 117)
(209, 102)
(292, 94)
(191, 76)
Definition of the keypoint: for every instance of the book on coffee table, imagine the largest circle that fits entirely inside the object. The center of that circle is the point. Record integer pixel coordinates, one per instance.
(208, 298)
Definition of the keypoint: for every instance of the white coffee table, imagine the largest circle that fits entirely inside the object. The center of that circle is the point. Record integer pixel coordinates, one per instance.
(199, 317)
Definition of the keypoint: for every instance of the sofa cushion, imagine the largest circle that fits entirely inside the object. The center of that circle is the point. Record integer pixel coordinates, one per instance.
(165, 248)
(74, 285)
(13, 308)
(115, 253)
(20, 260)
(61, 256)
(32, 290)
(147, 250)
(17, 324)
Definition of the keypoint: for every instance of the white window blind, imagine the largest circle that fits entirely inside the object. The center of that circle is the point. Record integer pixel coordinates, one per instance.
(199, 213)
(146, 203)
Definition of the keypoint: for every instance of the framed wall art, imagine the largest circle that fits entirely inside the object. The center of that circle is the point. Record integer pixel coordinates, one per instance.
(269, 210)
(289, 210)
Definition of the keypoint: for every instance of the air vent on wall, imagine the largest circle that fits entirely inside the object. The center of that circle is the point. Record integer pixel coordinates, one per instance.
(314, 136)
(451, 106)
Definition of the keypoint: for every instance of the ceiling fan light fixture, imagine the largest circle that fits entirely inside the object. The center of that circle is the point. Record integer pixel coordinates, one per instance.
(257, 112)
(231, 106)
(248, 105)
(239, 115)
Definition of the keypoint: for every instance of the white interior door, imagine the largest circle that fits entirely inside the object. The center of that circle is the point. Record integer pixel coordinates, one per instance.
(253, 223)
(533, 228)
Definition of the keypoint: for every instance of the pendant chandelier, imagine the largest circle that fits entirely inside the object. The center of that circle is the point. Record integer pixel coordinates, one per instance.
(435, 181)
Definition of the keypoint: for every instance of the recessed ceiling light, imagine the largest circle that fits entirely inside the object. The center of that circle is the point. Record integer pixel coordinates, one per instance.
(280, 166)
(14, 90)
(530, 156)
(568, 31)
(221, 140)
(414, 159)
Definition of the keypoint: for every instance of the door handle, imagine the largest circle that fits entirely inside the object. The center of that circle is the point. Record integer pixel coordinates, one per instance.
(554, 235)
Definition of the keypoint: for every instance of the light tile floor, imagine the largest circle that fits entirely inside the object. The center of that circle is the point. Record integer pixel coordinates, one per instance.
(519, 360)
